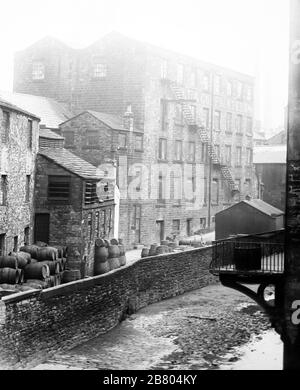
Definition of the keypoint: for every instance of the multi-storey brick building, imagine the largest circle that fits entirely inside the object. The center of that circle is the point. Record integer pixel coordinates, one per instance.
(18, 149)
(192, 116)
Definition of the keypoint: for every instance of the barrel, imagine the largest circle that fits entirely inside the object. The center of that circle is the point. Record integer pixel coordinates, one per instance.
(23, 258)
(32, 249)
(36, 271)
(122, 249)
(172, 245)
(145, 252)
(113, 251)
(114, 241)
(101, 268)
(162, 249)
(165, 242)
(47, 253)
(113, 263)
(122, 260)
(9, 275)
(152, 251)
(71, 275)
(99, 242)
(54, 266)
(8, 262)
(101, 254)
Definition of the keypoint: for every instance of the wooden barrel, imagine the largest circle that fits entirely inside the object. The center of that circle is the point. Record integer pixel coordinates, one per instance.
(9, 275)
(101, 254)
(21, 276)
(113, 251)
(33, 261)
(99, 242)
(8, 262)
(122, 249)
(114, 241)
(165, 242)
(162, 249)
(54, 266)
(23, 258)
(152, 250)
(113, 263)
(47, 253)
(37, 271)
(122, 260)
(101, 268)
(32, 249)
(172, 245)
(145, 252)
(71, 275)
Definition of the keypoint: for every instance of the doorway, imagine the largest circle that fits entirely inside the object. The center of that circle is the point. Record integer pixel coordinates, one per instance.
(41, 228)
(160, 231)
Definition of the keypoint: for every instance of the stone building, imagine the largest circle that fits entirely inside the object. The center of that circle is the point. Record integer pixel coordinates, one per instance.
(19, 131)
(74, 204)
(195, 122)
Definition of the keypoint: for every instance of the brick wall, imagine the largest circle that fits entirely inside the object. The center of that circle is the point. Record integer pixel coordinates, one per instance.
(35, 325)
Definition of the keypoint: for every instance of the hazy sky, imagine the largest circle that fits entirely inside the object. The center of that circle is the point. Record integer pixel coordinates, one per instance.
(250, 36)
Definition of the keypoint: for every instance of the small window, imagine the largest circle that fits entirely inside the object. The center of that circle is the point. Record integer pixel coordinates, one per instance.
(138, 142)
(228, 155)
(91, 196)
(27, 189)
(215, 191)
(122, 140)
(58, 187)
(176, 226)
(192, 151)
(239, 124)
(99, 70)
(29, 135)
(249, 125)
(161, 188)
(193, 112)
(69, 138)
(16, 239)
(38, 70)
(178, 150)
(2, 244)
(92, 138)
(229, 122)
(217, 120)
(238, 156)
(249, 93)
(27, 236)
(162, 150)
(217, 150)
(3, 190)
(5, 126)
(205, 117)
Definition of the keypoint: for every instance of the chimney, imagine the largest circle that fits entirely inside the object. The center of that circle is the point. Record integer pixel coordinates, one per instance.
(128, 118)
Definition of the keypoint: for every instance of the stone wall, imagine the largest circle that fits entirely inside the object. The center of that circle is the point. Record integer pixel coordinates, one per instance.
(35, 325)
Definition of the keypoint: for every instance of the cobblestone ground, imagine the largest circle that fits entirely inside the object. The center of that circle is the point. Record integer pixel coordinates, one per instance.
(196, 331)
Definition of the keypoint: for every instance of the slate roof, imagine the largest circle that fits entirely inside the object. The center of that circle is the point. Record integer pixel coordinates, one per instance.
(259, 205)
(269, 154)
(49, 110)
(10, 106)
(112, 121)
(71, 163)
(49, 134)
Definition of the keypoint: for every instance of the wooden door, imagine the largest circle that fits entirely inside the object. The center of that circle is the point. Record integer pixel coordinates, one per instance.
(41, 228)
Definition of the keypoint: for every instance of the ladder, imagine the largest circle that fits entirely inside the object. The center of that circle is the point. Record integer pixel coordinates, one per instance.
(191, 121)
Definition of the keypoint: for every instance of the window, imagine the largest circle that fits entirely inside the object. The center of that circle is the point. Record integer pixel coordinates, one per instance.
(162, 150)
(193, 112)
(192, 151)
(38, 70)
(217, 120)
(90, 194)
(249, 125)
(58, 187)
(239, 90)
(164, 69)
(189, 226)
(203, 152)
(99, 70)
(178, 150)
(29, 135)
(176, 188)
(229, 88)
(238, 156)
(27, 235)
(69, 138)
(228, 154)
(27, 189)
(248, 186)
(92, 138)
(202, 223)
(215, 191)
(138, 142)
(217, 85)
(164, 114)
(122, 140)
(2, 244)
(180, 73)
(178, 114)
(176, 226)
(3, 190)
(239, 124)
(161, 188)
(217, 150)
(205, 117)
(249, 156)
(205, 82)
(249, 93)
(16, 239)
(229, 122)
(5, 126)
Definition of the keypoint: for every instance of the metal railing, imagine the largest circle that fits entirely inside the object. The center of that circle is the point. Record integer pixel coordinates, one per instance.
(247, 257)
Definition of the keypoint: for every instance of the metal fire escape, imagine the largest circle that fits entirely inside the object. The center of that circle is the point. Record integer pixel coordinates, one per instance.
(190, 120)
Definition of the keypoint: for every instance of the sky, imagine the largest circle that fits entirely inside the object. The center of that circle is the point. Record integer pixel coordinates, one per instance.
(250, 36)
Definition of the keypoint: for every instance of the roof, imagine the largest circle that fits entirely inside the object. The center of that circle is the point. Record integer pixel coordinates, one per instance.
(10, 106)
(49, 134)
(269, 154)
(50, 111)
(71, 163)
(259, 205)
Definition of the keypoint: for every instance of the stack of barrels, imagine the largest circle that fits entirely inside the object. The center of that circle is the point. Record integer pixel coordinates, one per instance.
(166, 246)
(109, 255)
(33, 267)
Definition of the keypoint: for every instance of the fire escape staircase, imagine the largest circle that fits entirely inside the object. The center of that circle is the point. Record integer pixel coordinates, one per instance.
(190, 120)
